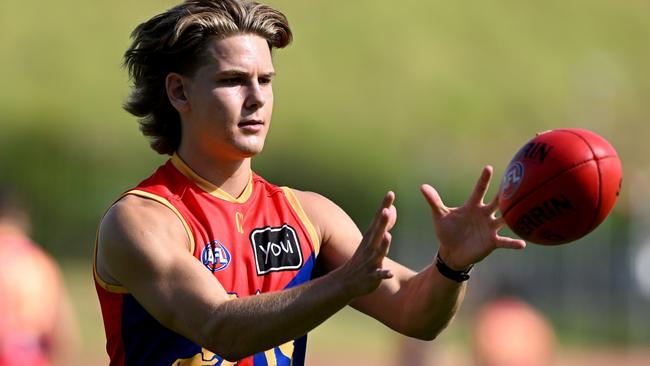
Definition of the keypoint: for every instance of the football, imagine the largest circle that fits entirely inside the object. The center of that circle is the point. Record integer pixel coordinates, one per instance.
(560, 186)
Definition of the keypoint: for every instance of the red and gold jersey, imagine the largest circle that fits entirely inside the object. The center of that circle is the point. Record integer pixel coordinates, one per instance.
(259, 242)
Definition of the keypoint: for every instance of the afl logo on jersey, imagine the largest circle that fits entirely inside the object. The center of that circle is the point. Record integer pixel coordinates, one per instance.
(215, 256)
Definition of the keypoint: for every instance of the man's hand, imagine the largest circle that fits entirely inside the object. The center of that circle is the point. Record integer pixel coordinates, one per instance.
(468, 233)
(363, 272)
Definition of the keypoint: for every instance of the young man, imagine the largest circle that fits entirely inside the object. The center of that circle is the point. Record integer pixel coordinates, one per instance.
(207, 263)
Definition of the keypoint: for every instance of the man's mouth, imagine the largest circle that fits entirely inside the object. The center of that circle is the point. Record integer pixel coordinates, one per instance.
(251, 125)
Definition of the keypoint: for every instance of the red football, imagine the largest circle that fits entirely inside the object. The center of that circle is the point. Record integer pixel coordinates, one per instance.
(560, 186)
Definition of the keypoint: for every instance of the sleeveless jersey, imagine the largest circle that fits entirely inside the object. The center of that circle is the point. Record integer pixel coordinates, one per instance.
(257, 243)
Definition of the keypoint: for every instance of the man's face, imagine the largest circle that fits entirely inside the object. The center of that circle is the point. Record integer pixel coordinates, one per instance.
(230, 99)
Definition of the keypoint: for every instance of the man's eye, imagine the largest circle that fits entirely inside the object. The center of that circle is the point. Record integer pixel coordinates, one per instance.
(264, 81)
(232, 81)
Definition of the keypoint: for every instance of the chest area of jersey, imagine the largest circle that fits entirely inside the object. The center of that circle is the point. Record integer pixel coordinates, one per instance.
(254, 248)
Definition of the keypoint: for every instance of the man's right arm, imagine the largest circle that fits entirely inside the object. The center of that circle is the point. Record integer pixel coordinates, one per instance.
(143, 247)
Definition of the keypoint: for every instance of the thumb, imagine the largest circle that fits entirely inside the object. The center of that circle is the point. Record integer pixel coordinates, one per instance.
(433, 198)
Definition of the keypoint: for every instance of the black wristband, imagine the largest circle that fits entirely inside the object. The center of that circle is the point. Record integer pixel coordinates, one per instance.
(458, 276)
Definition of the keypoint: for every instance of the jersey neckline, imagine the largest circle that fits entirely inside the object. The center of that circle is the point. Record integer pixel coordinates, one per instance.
(208, 187)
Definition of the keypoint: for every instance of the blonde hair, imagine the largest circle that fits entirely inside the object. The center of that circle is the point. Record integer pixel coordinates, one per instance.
(175, 41)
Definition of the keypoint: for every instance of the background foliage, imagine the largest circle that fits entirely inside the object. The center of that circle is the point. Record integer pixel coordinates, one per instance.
(371, 96)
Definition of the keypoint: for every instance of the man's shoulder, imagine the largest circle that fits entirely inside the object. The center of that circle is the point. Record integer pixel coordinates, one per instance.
(311, 198)
(127, 231)
(130, 209)
(318, 208)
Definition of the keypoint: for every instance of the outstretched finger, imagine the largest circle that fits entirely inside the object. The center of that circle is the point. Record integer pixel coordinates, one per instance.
(383, 221)
(392, 218)
(481, 187)
(383, 214)
(385, 245)
(389, 199)
(378, 227)
(509, 243)
(433, 198)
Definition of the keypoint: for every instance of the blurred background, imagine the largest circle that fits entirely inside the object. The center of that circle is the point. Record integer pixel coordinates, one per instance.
(371, 96)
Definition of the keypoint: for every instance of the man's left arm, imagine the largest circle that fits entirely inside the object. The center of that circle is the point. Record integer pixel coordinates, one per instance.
(417, 304)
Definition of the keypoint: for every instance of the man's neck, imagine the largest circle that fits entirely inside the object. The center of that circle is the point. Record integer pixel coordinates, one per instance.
(232, 176)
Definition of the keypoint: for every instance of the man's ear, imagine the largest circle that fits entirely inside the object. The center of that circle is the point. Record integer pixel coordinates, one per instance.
(176, 92)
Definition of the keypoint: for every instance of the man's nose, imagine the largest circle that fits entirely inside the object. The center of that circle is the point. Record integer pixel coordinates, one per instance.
(255, 98)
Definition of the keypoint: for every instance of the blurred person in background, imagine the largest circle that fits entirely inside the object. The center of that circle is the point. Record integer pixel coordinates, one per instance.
(37, 326)
(205, 260)
(509, 332)
(414, 352)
